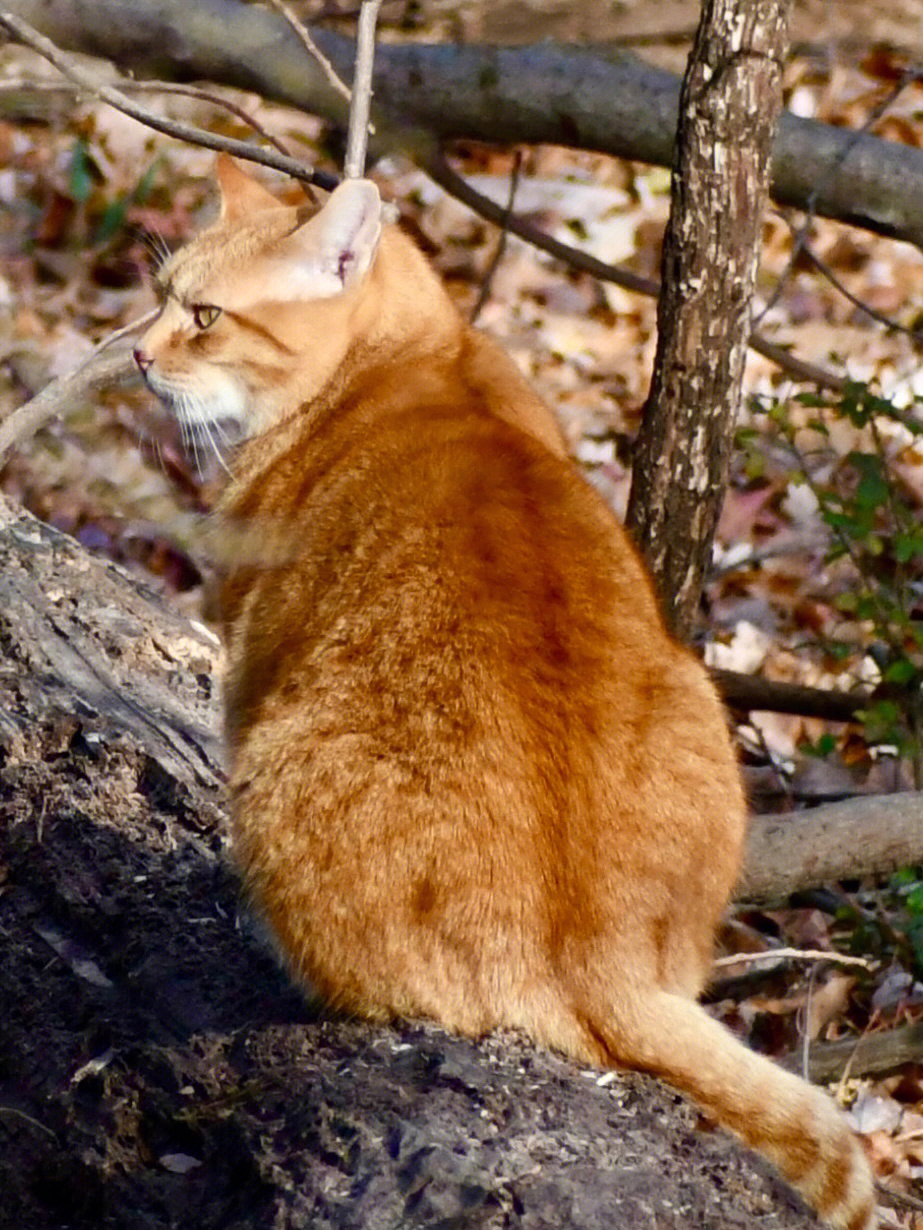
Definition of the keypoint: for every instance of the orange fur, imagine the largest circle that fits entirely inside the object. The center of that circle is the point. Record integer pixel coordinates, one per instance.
(473, 777)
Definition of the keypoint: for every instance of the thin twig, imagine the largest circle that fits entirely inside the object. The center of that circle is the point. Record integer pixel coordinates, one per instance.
(78, 73)
(108, 364)
(484, 293)
(16, 85)
(791, 954)
(824, 269)
(194, 91)
(312, 48)
(804, 1016)
(801, 233)
(439, 170)
(20, 1114)
(785, 786)
(358, 134)
(848, 1066)
(798, 369)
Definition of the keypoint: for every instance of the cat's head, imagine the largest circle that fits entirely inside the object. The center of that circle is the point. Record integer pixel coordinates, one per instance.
(258, 308)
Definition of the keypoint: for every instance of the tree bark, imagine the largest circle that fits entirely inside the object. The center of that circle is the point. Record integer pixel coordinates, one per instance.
(870, 835)
(730, 101)
(612, 103)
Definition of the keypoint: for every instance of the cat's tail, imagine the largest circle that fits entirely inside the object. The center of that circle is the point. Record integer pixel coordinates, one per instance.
(795, 1125)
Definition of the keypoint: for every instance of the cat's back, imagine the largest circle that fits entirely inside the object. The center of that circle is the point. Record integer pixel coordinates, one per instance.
(446, 560)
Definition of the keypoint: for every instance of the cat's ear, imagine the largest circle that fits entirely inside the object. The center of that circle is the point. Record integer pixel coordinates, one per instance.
(346, 231)
(240, 192)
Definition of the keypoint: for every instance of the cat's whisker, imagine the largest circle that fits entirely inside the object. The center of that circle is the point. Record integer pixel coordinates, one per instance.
(156, 245)
(189, 432)
(215, 447)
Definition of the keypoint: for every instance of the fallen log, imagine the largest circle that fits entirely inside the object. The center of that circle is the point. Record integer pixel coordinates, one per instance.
(872, 835)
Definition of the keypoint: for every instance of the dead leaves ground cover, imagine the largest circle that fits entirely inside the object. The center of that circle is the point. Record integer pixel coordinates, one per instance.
(88, 200)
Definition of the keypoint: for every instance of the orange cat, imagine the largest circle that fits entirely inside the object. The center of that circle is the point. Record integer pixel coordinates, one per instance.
(473, 777)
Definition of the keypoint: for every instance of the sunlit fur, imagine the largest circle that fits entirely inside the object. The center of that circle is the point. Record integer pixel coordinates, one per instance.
(473, 777)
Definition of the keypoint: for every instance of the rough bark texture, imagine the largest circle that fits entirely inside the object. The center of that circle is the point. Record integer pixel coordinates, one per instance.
(611, 102)
(156, 1071)
(728, 109)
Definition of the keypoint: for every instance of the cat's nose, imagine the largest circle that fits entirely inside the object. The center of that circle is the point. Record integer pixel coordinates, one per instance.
(143, 360)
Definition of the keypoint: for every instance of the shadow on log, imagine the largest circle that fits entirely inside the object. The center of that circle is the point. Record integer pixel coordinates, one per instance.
(156, 1070)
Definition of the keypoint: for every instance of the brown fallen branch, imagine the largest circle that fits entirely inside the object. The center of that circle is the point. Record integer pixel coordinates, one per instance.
(868, 1056)
(870, 835)
(753, 692)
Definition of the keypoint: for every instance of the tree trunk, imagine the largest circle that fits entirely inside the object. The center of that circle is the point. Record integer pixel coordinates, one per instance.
(729, 105)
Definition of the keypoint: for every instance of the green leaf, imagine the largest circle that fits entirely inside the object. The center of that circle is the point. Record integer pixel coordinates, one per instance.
(901, 671)
(111, 221)
(904, 876)
(908, 545)
(146, 183)
(872, 492)
(80, 183)
(846, 602)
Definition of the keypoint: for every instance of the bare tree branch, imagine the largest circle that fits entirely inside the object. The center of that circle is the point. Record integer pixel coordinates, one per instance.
(109, 364)
(360, 105)
(27, 85)
(23, 32)
(837, 283)
(802, 232)
(484, 292)
(754, 692)
(875, 1054)
(871, 835)
(312, 48)
(439, 170)
(607, 101)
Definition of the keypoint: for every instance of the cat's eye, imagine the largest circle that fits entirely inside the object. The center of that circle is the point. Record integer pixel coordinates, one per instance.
(204, 314)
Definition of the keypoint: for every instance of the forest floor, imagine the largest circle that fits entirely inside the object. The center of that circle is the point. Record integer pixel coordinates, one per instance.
(89, 197)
